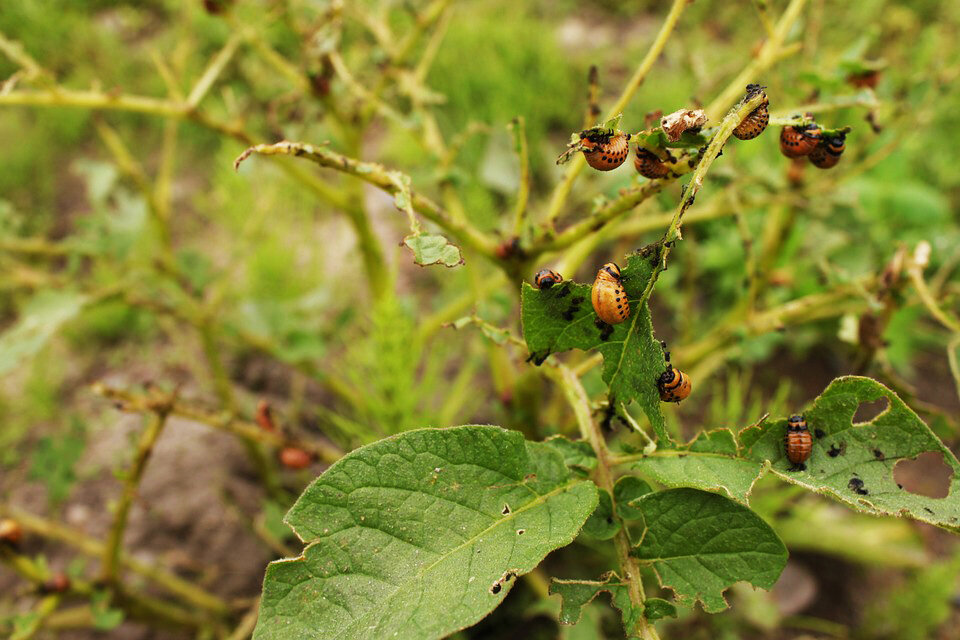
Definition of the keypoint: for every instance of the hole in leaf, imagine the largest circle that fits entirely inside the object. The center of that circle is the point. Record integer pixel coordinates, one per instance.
(867, 411)
(926, 475)
(520, 532)
(506, 510)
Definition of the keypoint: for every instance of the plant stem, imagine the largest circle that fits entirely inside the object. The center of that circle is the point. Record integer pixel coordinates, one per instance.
(387, 180)
(769, 54)
(187, 591)
(723, 133)
(224, 421)
(577, 398)
(111, 552)
(562, 190)
(523, 192)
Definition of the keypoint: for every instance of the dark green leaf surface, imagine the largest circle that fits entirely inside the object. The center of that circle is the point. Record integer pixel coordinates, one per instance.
(700, 544)
(576, 453)
(601, 524)
(577, 594)
(710, 463)
(854, 462)
(657, 608)
(562, 318)
(626, 489)
(421, 534)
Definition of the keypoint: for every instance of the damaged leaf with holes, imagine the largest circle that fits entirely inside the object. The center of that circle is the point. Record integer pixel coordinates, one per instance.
(854, 463)
(421, 534)
(562, 318)
(433, 248)
(701, 543)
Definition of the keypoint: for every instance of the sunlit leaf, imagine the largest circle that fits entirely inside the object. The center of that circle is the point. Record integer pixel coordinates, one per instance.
(433, 248)
(421, 534)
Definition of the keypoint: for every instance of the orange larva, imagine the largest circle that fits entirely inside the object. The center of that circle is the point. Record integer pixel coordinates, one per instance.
(649, 165)
(796, 142)
(754, 124)
(295, 458)
(798, 442)
(608, 297)
(828, 152)
(605, 151)
(674, 385)
(546, 278)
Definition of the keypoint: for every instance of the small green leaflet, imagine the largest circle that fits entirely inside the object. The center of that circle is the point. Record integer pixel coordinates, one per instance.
(421, 534)
(42, 317)
(601, 525)
(709, 462)
(577, 594)
(701, 543)
(433, 248)
(562, 318)
(854, 462)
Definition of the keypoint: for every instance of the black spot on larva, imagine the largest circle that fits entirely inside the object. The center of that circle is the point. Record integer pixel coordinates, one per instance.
(819, 433)
(928, 510)
(878, 454)
(506, 510)
(856, 485)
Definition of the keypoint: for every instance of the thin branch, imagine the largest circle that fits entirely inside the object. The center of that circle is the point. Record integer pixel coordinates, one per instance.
(562, 191)
(723, 133)
(214, 69)
(112, 550)
(523, 192)
(189, 592)
(387, 180)
(218, 420)
(769, 54)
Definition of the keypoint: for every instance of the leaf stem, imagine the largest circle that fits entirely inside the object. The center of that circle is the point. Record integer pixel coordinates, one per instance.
(580, 403)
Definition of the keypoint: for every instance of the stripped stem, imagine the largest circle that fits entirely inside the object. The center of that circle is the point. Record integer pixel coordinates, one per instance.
(562, 191)
(113, 548)
(603, 475)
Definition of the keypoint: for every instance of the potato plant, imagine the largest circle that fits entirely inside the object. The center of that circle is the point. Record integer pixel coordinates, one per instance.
(361, 239)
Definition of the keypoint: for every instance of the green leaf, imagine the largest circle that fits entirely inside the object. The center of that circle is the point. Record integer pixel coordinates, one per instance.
(701, 543)
(562, 318)
(601, 524)
(657, 608)
(576, 453)
(709, 463)
(421, 534)
(627, 489)
(40, 320)
(577, 594)
(432, 248)
(854, 463)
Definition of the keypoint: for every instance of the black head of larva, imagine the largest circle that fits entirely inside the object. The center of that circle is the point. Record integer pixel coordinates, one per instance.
(667, 376)
(546, 278)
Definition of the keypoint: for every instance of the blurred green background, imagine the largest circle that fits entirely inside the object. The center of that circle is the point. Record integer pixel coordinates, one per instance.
(132, 252)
